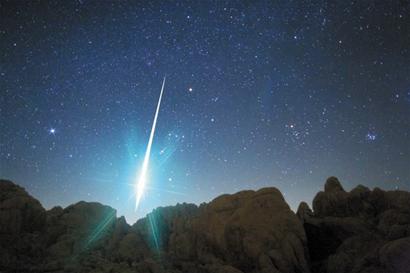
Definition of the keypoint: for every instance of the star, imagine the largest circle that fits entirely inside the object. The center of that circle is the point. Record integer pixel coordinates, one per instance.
(190, 89)
(52, 131)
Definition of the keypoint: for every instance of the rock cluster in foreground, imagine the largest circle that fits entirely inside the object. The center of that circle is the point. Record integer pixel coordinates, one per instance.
(250, 232)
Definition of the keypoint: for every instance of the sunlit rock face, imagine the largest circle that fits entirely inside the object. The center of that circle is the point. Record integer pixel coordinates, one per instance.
(251, 231)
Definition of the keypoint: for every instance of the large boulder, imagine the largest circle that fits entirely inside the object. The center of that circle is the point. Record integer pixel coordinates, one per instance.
(250, 231)
(19, 212)
(161, 224)
(75, 230)
(395, 255)
(87, 237)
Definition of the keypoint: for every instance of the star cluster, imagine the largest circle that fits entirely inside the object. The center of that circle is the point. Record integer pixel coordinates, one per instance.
(260, 93)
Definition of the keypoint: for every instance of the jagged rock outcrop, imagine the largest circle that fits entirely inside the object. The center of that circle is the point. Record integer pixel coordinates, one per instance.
(75, 230)
(248, 232)
(358, 231)
(252, 231)
(245, 232)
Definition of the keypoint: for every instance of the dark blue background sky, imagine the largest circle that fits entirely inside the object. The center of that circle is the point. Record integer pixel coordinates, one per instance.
(258, 93)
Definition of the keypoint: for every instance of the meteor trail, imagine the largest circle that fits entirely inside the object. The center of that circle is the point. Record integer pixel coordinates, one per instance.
(140, 184)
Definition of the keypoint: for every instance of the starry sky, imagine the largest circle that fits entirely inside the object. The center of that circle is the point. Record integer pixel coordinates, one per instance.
(258, 93)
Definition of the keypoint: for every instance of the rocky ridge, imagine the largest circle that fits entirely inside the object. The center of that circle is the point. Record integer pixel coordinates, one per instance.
(250, 231)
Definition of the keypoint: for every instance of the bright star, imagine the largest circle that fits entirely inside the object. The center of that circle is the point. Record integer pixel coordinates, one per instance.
(52, 131)
(190, 89)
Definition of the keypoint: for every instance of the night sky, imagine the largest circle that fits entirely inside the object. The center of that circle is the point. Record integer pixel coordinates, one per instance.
(258, 93)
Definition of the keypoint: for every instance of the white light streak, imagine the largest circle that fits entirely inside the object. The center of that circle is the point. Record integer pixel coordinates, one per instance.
(142, 180)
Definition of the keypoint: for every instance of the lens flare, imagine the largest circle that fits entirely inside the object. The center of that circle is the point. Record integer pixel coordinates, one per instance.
(142, 180)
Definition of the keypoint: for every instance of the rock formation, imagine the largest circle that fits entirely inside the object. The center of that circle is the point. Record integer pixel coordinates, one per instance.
(358, 231)
(22, 221)
(250, 232)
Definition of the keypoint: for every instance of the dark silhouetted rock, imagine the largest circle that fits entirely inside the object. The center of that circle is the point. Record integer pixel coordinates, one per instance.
(354, 231)
(22, 220)
(249, 231)
(395, 255)
(19, 212)
(333, 185)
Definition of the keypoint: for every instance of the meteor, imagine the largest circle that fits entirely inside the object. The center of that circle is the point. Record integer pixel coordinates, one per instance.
(142, 180)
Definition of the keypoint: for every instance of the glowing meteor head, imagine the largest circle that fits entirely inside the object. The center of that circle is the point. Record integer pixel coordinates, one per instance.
(139, 188)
